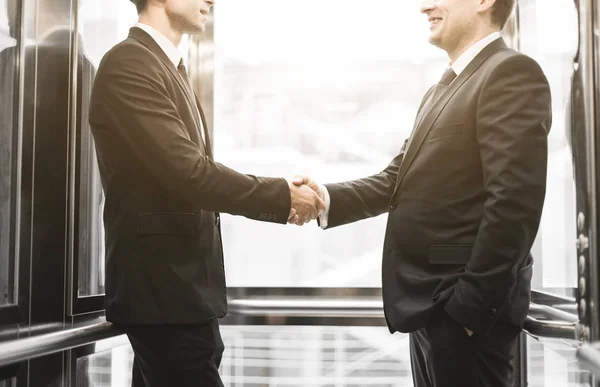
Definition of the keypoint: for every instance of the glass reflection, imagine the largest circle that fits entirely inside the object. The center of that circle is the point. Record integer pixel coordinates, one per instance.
(283, 356)
(102, 25)
(334, 99)
(8, 383)
(110, 368)
(314, 356)
(555, 267)
(553, 364)
(9, 49)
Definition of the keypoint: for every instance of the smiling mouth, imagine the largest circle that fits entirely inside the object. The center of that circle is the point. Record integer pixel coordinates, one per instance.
(435, 21)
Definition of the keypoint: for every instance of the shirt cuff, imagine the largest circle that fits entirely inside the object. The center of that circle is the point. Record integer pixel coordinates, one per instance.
(325, 215)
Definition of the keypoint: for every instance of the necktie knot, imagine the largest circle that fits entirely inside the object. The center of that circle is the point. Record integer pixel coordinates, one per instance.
(181, 68)
(448, 76)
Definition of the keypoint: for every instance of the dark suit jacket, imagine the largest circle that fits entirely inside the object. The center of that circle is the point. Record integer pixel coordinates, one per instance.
(464, 200)
(164, 261)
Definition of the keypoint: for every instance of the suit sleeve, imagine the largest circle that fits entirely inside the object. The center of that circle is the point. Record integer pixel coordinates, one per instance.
(364, 198)
(131, 102)
(513, 120)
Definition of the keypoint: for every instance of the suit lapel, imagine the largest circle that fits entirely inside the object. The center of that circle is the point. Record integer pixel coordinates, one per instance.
(429, 117)
(142, 37)
(209, 150)
(423, 108)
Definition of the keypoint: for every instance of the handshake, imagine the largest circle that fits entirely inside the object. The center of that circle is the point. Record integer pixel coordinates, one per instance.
(308, 200)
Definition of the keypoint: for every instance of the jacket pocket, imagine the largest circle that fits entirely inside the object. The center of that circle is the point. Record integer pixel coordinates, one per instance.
(450, 254)
(167, 223)
(445, 131)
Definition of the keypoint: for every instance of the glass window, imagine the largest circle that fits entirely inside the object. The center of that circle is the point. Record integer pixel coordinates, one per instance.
(314, 356)
(553, 364)
(9, 49)
(280, 356)
(106, 368)
(555, 267)
(102, 25)
(332, 94)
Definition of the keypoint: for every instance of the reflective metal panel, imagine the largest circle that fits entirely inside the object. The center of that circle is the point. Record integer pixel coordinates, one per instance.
(583, 134)
(9, 98)
(101, 25)
(555, 252)
(46, 66)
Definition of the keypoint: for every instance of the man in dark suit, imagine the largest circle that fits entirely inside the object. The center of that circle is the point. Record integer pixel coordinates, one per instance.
(165, 282)
(464, 197)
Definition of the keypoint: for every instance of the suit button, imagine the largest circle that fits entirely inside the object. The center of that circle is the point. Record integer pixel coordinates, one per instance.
(393, 205)
(218, 221)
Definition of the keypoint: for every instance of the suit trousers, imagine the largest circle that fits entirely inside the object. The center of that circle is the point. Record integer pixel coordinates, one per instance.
(175, 355)
(443, 355)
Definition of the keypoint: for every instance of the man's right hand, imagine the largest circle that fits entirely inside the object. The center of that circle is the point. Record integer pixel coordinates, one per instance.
(301, 179)
(306, 203)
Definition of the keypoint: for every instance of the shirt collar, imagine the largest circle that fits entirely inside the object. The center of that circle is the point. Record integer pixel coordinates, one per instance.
(163, 42)
(470, 53)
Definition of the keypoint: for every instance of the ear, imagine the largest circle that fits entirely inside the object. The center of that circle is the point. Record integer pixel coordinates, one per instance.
(485, 5)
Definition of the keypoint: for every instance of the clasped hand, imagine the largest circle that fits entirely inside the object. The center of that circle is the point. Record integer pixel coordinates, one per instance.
(307, 200)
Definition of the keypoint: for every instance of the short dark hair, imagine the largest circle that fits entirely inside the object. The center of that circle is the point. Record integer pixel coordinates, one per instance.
(140, 5)
(501, 11)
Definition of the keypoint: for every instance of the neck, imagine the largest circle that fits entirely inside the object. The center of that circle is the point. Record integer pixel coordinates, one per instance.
(157, 19)
(463, 45)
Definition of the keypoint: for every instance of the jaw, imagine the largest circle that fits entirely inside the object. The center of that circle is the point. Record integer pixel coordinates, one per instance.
(435, 38)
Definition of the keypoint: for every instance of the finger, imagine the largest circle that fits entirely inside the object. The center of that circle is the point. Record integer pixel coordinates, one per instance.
(292, 213)
(298, 180)
(294, 219)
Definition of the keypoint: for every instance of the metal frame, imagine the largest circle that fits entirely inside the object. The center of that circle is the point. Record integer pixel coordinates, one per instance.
(589, 54)
(76, 305)
(316, 307)
(72, 166)
(17, 310)
(34, 347)
(587, 244)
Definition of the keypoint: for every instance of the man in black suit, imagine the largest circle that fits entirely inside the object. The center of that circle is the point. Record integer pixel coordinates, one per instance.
(464, 196)
(165, 281)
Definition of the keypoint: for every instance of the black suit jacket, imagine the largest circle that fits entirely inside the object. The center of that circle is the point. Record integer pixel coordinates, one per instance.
(164, 261)
(464, 200)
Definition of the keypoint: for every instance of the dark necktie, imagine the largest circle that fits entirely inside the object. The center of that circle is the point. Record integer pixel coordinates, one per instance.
(188, 89)
(448, 76)
(440, 87)
(183, 72)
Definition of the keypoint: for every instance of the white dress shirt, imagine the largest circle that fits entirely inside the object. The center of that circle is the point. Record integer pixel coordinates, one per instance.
(458, 66)
(470, 53)
(163, 42)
